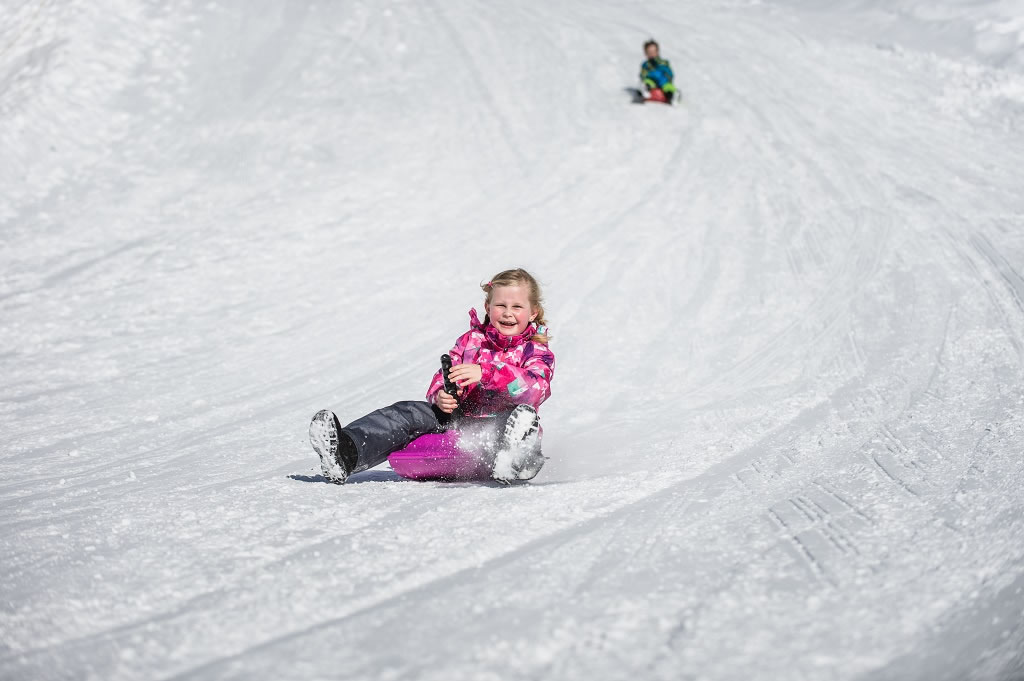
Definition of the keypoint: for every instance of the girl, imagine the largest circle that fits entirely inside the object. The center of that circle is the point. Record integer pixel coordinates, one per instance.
(502, 369)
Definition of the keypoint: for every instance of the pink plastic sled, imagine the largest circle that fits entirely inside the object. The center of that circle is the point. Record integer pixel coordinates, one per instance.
(437, 456)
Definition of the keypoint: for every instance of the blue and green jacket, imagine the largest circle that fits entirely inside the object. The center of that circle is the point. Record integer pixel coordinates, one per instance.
(656, 73)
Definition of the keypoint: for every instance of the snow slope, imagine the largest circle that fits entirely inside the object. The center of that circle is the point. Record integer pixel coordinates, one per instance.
(786, 429)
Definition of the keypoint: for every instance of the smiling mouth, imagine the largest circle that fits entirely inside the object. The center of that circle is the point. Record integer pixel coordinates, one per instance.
(507, 325)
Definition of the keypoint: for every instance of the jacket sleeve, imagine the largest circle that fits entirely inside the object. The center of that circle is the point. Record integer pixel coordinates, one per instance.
(526, 384)
(668, 72)
(437, 383)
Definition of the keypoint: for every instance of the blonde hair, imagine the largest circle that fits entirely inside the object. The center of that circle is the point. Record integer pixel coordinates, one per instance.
(520, 277)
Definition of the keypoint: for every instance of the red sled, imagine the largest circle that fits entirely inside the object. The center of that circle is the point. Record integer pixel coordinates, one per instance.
(657, 95)
(642, 97)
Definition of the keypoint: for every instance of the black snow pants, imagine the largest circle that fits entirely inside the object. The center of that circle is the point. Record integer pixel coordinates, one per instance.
(389, 429)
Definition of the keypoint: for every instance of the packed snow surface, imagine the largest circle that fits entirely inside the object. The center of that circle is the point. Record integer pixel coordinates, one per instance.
(787, 427)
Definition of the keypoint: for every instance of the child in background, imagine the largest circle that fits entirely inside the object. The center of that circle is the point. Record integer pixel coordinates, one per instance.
(502, 368)
(656, 74)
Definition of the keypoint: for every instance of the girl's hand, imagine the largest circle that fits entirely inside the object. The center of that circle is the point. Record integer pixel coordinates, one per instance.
(446, 402)
(465, 375)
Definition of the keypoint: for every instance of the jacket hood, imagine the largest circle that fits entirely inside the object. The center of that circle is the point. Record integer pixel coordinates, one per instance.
(500, 340)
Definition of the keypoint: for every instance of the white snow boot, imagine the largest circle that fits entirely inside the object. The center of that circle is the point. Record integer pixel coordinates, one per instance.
(518, 456)
(332, 446)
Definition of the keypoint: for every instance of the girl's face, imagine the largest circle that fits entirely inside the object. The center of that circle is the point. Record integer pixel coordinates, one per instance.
(510, 309)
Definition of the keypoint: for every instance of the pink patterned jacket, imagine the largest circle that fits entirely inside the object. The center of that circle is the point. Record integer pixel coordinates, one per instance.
(515, 369)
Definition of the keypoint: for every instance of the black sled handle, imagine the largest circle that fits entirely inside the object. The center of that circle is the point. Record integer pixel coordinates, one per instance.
(449, 386)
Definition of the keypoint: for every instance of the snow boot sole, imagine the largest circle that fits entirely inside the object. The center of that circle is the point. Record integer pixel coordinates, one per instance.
(516, 458)
(324, 432)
